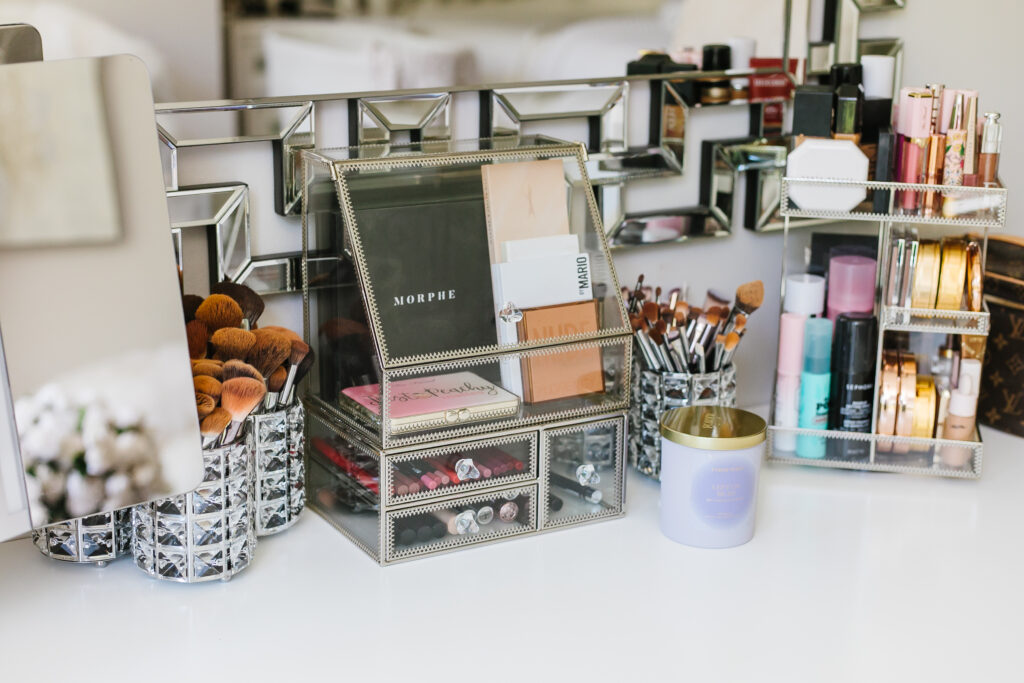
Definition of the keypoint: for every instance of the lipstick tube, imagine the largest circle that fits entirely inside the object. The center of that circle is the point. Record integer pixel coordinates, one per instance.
(931, 205)
(915, 147)
(971, 143)
(956, 141)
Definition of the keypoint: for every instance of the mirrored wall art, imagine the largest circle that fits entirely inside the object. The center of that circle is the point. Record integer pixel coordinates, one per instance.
(211, 227)
(661, 227)
(215, 125)
(95, 353)
(403, 119)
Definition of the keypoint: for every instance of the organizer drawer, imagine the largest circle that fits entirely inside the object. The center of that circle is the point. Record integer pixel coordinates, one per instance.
(582, 471)
(459, 468)
(426, 529)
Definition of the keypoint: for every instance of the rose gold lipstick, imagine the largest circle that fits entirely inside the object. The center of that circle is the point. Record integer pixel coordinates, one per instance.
(915, 146)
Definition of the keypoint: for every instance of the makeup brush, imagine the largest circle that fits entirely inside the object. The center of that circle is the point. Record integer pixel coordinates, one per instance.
(236, 368)
(209, 368)
(285, 331)
(231, 343)
(204, 384)
(732, 340)
(204, 405)
(749, 297)
(213, 425)
(634, 298)
(240, 396)
(299, 349)
(277, 379)
(189, 303)
(304, 368)
(219, 310)
(251, 303)
(197, 335)
(270, 350)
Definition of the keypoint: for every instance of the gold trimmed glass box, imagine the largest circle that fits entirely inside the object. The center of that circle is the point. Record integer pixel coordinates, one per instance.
(462, 302)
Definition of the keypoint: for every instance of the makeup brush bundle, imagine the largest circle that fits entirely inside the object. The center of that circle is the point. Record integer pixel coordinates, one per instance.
(674, 336)
(238, 369)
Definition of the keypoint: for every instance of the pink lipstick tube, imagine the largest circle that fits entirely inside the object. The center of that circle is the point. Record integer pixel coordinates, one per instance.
(915, 147)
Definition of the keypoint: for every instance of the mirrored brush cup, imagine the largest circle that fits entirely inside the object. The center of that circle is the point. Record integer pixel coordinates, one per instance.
(654, 393)
(279, 439)
(96, 539)
(208, 533)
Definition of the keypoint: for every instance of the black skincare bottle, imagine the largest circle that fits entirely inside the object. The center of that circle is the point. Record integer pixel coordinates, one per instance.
(853, 382)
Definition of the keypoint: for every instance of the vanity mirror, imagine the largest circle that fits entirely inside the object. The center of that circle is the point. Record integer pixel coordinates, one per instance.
(97, 408)
(401, 119)
(210, 226)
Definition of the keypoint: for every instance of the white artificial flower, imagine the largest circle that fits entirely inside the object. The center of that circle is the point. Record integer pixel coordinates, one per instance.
(145, 476)
(84, 494)
(51, 396)
(119, 492)
(36, 508)
(133, 448)
(51, 483)
(100, 458)
(96, 426)
(26, 412)
(70, 446)
(41, 441)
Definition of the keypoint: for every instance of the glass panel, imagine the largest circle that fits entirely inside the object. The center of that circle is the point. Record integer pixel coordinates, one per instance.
(443, 471)
(584, 471)
(441, 401)
(460, 255)
(344, 483)
(422, 530)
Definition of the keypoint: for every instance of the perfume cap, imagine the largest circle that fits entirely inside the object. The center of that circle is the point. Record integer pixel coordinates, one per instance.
(791, 343)
(903, 111)
(879, 75)
(849, 108)
(812, 111)
(854, 343)
(851, 285)
(970, 376)
(717, 57)
(847, 73)
(817, 345)
(805, 294)
(961, 404)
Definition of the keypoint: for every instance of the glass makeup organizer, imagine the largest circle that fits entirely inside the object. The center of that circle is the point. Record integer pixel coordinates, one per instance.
(439, 417)
(873, 451)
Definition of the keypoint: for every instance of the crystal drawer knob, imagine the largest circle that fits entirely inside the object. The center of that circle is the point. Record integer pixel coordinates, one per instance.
(510, 314)
(465, 469)
(587, 475)
(465, 522)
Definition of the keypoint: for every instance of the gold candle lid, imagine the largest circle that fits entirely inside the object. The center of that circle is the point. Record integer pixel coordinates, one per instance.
(713, 428)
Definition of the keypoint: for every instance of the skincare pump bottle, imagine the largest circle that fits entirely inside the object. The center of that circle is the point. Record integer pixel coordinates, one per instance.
(959, 427)
(815, 384)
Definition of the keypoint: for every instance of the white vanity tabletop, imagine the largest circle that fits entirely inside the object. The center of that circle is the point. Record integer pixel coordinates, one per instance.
(850, 577)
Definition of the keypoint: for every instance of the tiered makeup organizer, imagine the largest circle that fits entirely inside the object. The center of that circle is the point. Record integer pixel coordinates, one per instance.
(539, 467)
(881, 455)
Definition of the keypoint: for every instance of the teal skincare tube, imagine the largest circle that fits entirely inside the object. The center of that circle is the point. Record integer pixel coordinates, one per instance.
(815, 384)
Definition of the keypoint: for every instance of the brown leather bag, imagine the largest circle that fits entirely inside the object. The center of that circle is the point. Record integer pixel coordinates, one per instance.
(1001, 403)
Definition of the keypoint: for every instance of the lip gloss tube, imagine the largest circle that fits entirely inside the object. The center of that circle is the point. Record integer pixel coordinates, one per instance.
(956, 142)
(915, 147)
(988, 160)
(931, 204)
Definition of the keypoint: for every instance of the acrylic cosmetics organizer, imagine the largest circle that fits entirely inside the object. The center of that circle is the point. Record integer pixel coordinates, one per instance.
(872, 451)
(428, 436)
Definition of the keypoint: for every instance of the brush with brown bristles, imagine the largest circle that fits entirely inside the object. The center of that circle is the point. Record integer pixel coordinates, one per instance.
(197, 335)
(297, 355)
(240, 396)
(204, 405)
(292, 336)
(213, 426)
(237, 368)
(208, 368)
(204, 384)
(189, 304)
(270, 350)
(732, 340)
(250, 302)
(232, 343)
(218, 311)
(749, 297)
